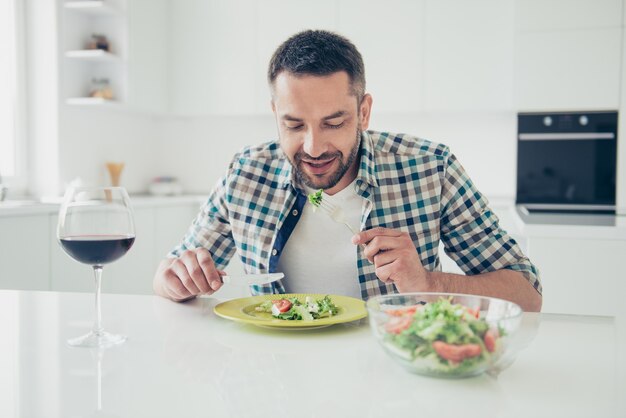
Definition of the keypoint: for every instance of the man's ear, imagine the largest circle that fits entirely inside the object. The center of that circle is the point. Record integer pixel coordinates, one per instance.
(365, 111)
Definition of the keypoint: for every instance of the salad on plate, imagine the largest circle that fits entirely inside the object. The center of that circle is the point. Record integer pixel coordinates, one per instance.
(292, 309)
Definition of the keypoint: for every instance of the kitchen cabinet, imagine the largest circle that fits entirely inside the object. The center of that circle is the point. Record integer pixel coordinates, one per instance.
(148, 57)
(214, 65)
(136, 65)
(568, 57)
(468, 55)
(158, 230)
(390, 36)
(557, 15)
(29, 248)
(568, 70)
(420, 56)
(84, 67)
(24, 252)
(581, 276)
(130, 274)
(276, 21)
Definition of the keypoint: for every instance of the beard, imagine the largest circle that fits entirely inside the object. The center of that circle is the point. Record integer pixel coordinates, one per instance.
(315, 182)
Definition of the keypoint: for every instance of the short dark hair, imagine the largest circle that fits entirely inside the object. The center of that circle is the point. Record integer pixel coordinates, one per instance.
(320, 53)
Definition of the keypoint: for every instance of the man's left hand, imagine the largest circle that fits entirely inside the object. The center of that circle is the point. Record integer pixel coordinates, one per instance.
(395, 258)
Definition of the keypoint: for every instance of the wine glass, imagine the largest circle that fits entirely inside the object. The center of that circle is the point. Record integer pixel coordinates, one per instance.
(96, 228)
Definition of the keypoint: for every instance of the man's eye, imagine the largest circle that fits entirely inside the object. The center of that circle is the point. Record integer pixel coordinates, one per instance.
(294, 127)
(334, 126)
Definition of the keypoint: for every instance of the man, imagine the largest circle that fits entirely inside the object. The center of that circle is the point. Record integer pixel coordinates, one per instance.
(405, 193)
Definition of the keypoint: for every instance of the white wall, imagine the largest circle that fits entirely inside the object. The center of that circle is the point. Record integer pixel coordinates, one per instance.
(198, 149)
(484, 142)
(89, 137)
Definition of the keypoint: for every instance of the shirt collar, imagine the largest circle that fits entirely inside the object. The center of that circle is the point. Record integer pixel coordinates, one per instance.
(367, 165)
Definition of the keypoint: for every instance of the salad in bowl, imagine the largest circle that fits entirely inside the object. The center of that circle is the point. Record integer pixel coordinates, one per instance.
(444, 335)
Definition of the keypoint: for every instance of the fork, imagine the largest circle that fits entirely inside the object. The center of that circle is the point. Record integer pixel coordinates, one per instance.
(336, 214)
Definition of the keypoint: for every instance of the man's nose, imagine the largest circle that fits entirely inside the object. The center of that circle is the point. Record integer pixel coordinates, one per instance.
(314, 145)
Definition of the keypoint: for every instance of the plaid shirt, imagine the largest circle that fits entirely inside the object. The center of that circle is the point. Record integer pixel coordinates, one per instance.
(407, 183)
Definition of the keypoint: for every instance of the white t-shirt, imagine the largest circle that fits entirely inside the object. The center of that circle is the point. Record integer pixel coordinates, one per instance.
(319, 256)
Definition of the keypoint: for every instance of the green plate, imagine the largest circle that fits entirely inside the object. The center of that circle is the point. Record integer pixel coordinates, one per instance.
(243, 310)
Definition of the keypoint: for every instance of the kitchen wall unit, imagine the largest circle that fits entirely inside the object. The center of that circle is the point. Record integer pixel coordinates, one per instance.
(468, 55)
(425, 55)
(581, 275)
(85, 69)
(130, 274)
(580, 266)
(148, 56)
(137, 63)
(568, 56)
(420, 55)
(213, 57)
(24, 252)
(29, 248)
(391, 38)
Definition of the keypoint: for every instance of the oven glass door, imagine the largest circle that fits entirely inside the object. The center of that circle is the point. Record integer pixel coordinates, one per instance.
(579, 171)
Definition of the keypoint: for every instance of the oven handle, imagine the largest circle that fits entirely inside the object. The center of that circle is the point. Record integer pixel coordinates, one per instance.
(567, 136)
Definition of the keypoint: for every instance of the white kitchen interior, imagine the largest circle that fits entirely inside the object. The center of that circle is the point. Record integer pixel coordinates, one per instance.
(172, 89)
(188, 79)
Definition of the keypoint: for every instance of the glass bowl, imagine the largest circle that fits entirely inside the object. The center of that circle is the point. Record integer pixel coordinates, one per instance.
(444, 334)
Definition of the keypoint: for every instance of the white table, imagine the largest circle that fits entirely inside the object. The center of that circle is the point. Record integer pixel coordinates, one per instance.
(183, 361)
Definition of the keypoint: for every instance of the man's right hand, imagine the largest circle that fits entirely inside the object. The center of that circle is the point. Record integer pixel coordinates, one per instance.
(191, 274)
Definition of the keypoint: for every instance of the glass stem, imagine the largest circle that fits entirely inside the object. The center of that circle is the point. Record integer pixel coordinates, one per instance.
(97, 326)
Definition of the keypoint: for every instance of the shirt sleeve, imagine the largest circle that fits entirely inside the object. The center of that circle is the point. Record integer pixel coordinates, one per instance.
(211, 228)
(470, 231)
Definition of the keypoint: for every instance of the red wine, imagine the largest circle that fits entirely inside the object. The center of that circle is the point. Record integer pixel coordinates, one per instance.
(97, 249)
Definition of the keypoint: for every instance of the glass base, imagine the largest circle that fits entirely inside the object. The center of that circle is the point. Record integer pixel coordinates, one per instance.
(102, 339)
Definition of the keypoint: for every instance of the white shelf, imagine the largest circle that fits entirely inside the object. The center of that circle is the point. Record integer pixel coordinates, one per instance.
(92, 55)
(90, 101)
(92, 7)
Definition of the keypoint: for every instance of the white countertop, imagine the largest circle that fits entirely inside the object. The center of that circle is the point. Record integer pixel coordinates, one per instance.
(609, 227)
(49, 206)
(181, 360)
(579, 226)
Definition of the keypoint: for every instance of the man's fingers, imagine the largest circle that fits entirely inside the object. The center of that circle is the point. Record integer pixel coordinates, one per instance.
(385, 257)
(179, 268)
(212, 275)
(174, 287)
(366, 236)
(380, 243)
(196, 272)
(385, 273)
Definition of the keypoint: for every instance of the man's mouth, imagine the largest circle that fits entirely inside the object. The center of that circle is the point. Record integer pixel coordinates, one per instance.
(318, 167)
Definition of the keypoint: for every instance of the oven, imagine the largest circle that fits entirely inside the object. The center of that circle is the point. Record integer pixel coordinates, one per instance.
(567, 162)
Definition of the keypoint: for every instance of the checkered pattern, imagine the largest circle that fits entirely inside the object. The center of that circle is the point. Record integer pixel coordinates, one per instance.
(407, 183)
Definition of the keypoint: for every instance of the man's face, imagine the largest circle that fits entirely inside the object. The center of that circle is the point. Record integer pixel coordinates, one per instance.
(319, 125)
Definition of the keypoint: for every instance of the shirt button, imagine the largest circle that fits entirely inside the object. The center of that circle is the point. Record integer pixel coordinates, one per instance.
(295, 212)
(274, 251)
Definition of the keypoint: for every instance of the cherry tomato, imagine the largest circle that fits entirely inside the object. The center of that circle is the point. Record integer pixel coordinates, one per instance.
(456, 353)
(402, 311)
(473, 312)
(283, 305)
(490, 340)
(398, 324)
